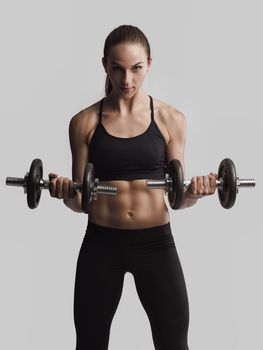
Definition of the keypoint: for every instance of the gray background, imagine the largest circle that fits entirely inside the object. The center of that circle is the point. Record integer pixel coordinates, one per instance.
(207, 62)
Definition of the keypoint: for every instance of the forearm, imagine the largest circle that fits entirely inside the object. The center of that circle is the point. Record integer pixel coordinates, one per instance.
(74, 203)
(189, 199)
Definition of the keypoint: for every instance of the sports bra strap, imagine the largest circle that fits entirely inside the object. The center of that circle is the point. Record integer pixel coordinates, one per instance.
(151, 104)
(100, 112)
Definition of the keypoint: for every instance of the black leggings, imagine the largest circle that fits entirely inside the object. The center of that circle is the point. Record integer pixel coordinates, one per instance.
(150, 254)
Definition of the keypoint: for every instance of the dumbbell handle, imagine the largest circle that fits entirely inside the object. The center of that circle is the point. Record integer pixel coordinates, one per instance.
(220, 183)
(167, 183)
(44, 184)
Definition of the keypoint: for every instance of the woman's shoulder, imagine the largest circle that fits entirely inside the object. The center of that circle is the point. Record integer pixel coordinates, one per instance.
(167, 113)
(86, 116)
(88, 112)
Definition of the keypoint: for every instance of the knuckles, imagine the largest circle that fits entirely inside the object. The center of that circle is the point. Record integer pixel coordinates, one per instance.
(203, 185)
(61, 187)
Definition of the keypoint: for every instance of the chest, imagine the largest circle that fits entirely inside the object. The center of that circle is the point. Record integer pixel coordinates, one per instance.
(121, 128)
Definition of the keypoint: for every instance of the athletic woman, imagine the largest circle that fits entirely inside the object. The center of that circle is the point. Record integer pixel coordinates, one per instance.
(129, 136)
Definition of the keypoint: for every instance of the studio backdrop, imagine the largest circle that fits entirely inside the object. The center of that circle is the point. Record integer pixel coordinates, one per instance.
(207, 62)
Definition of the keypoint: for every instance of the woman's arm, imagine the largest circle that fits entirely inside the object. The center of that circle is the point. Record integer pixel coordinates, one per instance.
(79, 151)
(176, 126)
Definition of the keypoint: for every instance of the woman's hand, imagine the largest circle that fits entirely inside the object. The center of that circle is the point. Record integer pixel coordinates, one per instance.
(61, 187)
(202, 186)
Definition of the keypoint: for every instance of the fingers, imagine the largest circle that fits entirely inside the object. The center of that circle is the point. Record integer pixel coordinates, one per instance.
(206, 185)
(203, 185)
(61, 187)
(68, 190)
(52, 184)
(65, 187)
(212, 182)
(215, 175)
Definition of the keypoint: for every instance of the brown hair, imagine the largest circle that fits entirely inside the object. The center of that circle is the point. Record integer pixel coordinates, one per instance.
(124, 34)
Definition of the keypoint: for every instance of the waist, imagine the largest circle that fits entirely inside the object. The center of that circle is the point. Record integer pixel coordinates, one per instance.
(134, 206)
(153, 231)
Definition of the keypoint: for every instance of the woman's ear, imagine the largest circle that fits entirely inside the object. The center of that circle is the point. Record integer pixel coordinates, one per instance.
(104, 62)
(149, 61)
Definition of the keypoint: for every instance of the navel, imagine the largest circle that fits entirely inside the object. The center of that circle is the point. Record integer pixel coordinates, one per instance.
(130, 213)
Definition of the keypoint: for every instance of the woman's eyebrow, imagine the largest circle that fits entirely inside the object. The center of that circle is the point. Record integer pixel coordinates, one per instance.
(113, 62)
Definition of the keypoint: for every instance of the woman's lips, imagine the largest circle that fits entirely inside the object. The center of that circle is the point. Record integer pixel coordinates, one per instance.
(126, 89)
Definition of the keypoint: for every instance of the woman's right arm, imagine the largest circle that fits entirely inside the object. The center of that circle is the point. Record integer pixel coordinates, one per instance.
(79, 151)
(62, 187)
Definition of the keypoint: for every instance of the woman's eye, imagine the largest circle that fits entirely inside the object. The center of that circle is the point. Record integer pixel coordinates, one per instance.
(137, 68)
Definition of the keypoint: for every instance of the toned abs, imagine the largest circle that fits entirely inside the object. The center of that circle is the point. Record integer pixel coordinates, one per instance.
(134, 206)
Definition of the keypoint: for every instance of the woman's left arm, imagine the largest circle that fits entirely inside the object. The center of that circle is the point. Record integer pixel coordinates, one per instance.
(200, 185)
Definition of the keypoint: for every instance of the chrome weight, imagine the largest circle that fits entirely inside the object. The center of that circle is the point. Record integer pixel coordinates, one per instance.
(176, 192)
(33, 184)
(228, 183)
(228, 193)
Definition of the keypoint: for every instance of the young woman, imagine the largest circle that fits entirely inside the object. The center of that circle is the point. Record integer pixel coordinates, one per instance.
(129, 137)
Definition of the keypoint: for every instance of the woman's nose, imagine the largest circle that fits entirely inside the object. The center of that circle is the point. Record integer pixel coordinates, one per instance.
(127, 77)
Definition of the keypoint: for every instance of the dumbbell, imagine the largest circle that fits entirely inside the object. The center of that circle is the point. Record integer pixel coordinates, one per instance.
(33, 183)
(228, 183)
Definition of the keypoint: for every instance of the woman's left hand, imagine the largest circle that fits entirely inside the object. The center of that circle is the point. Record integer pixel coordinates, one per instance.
(202, 186)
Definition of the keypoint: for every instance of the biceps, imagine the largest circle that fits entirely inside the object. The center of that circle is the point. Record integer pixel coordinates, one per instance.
(175, 150)
(79, 147)
(177, 132)
(79, 161)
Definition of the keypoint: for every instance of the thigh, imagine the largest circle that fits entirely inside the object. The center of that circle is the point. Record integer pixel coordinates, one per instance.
(98, 288)
(162, 291)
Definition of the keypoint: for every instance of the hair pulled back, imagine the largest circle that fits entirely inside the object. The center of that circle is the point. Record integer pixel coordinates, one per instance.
(124, 34)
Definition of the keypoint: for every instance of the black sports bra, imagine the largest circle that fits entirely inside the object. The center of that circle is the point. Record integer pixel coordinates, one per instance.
(121, 158)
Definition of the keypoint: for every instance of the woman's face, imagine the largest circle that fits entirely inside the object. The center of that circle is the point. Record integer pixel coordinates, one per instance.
(126, 65)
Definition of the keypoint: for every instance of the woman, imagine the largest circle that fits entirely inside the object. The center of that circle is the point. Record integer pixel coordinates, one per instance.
(129, 137)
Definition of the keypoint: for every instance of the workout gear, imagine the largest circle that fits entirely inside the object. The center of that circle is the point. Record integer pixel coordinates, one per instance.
(121, 158)
(33, 183)
(150, 255)
(228, 184)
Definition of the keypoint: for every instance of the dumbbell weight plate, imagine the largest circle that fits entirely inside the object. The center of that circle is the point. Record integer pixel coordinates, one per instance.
(33, 183)
(87, 186)
(175, 171)
(227, 171)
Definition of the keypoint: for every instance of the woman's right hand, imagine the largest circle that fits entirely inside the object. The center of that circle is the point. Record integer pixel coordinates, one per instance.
(61, 187)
